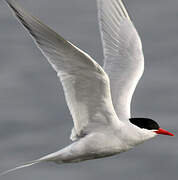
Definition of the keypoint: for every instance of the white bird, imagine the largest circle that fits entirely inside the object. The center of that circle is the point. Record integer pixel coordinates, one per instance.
(98, 98)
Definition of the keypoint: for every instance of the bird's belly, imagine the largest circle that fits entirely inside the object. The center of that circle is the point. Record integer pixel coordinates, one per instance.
(85, 157)
(93, 147)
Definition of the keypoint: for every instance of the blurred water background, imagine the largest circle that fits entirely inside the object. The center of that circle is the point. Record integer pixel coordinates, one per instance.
(34, 118)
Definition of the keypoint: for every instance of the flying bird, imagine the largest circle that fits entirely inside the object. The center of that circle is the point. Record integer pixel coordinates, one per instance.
(98, 97)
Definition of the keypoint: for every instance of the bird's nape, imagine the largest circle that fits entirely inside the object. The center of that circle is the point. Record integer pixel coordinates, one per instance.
(145, 123)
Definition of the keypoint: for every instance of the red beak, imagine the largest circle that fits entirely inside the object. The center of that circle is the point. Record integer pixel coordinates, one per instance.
(164, 132)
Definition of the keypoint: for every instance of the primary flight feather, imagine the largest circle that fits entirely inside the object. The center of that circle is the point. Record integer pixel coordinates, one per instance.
(123, 55)
(98, 98)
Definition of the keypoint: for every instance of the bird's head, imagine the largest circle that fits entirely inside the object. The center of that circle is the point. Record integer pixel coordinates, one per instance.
(149, 124)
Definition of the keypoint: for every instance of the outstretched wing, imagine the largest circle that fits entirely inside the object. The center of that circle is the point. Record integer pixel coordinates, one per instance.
(123, 56)
(85, 84)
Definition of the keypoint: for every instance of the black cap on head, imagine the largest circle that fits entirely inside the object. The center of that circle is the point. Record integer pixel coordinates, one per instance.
(145, 123)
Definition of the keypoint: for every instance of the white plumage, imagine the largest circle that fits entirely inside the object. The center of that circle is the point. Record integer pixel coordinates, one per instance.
(123, 56)
(98, 98)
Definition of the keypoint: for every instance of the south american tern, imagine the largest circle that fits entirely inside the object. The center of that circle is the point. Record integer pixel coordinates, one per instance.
(98, 97)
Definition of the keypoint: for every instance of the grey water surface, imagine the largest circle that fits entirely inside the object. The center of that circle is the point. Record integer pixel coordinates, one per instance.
(34, 118)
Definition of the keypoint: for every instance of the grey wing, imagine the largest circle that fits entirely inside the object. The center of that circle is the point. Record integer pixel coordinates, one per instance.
(86, 85)
(123, 55)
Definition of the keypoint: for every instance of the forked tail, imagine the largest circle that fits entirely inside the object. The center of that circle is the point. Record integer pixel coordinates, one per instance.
(50, 157)
(22, 166)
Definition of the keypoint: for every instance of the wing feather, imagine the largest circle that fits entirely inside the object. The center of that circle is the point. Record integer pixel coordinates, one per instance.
(86, 85)
(123, 55)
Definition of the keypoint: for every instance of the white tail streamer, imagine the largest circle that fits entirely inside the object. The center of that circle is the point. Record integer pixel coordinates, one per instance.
(22, 166)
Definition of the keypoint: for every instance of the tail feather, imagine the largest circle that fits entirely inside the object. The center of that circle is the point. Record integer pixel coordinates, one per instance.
(22, 166)
(47, 158)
